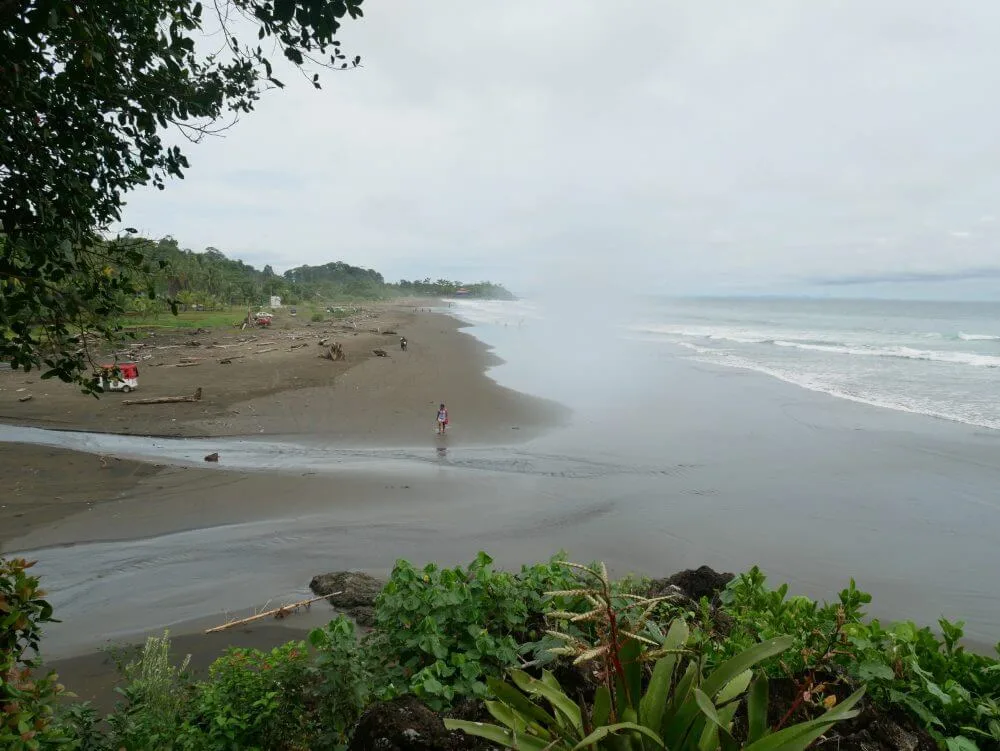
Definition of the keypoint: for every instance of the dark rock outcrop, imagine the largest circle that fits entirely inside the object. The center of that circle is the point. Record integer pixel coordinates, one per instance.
(693, 583)
(405, 724)
(357, 593)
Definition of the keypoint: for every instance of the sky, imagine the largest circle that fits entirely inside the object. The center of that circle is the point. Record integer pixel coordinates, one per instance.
(828, 147)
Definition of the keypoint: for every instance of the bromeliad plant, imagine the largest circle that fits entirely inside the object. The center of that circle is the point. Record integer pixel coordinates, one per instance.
(681, 708)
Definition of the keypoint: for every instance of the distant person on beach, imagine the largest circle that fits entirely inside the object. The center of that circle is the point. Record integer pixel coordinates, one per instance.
(402, 343)
(442, 419)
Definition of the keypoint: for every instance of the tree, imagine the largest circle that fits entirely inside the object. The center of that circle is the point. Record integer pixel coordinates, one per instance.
(87, 89)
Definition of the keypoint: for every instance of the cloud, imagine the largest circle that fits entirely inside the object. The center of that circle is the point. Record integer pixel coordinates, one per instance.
(679, 145)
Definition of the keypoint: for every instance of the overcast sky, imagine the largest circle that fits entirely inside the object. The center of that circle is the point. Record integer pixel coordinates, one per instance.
(693, 147)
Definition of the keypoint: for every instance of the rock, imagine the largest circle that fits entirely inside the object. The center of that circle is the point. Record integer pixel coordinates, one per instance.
(212, 457)
(405, 724)
(26, 398)
(694, 583)
(356, 589)
(363, 615)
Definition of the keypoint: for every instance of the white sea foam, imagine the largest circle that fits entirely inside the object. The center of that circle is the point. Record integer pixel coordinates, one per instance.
(495, 312)
(978, 337)
(813, 382)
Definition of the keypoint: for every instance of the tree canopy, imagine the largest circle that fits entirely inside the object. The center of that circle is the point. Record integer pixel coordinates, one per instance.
(88, 89)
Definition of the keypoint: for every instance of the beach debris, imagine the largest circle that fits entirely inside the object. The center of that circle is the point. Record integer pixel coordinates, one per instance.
(335, 352)
(25, 398)
(281, 612)
(380, 353)
(388, 332)
(186, 364)
(262, 351)
(193, 343)
(213, 457)
(226, 361)
(322, 342)
(195, 397)
(296, 346)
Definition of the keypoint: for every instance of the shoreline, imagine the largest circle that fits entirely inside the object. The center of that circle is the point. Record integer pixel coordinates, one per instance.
(373, 402)
(720, 466)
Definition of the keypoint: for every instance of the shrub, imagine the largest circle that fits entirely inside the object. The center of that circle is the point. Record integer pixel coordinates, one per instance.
(680, 709)
(27, 721)
(446, 630)
(316, 317)
(156, 695)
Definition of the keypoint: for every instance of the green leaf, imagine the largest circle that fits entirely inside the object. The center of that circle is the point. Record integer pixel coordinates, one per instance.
(736, 687)
(603, 732)
(869, 670)
(746, 659)
(602, 706)
(961, 743)
(757, 701)
(654, 703)
(799, 737)
(497, 734)
(562, 704)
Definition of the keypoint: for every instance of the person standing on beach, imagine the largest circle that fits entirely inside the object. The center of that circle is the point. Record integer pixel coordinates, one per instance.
(442, 419)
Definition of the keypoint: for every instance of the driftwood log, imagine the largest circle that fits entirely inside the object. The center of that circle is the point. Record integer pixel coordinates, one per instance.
(335, 352)
(380, 353)
(282, 612)
(195, 397)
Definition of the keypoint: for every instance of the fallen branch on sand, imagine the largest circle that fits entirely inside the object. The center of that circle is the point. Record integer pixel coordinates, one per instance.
(165, 399)
(186, 364)
(282, 612)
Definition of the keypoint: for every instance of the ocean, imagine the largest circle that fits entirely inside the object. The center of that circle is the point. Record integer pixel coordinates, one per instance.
(940, 359)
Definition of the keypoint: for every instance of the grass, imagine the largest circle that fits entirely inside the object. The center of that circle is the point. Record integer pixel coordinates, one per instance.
(188, 319)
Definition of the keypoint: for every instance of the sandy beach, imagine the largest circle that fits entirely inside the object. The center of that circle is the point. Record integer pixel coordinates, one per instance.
(275, 385)
(714, 466)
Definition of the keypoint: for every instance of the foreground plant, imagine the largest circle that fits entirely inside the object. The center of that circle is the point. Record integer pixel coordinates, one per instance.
(26, 701)
(682, 708)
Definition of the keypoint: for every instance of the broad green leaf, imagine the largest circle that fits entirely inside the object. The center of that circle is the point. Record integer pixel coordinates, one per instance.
(757, 700)
(654, 703)
(562, 704)
(518, 701)
(507, 716)
(734, 688)
(799, 737)
(602, 706)
(961, 743)
(870, 670)
(746, 659)
(495, 734)
(603, 732)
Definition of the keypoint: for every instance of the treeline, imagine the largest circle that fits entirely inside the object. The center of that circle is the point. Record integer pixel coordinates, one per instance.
(210, 279)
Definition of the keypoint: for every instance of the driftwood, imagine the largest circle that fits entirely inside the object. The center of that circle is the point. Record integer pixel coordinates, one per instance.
(335, 353)
(282, 612)
(262, 351)
(380, 353)
(186, 364)
(296, 346)
(165, 399)
(26, 398)
(226, 361)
